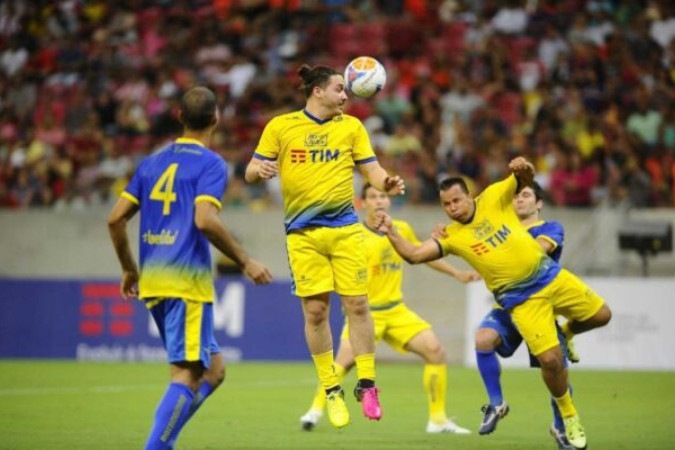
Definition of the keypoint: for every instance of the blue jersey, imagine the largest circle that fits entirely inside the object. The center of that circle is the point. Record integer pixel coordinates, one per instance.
(553, 232)
(175, 258)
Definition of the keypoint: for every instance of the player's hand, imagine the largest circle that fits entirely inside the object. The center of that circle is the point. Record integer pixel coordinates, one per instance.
(383, 222)
(268, 169)
(467, 276)
(129, 284)
(438, 232)
(394, 185)
(520, 165)
(257, 272)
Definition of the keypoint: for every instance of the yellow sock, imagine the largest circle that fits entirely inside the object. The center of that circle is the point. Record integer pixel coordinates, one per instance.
(565, 327)
(365, 366)
(435, 382)
(565, 405)
(324, 368)
(319, 401)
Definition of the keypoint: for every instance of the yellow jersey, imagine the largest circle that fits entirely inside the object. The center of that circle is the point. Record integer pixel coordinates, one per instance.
(385, 266)
(316, 162)
(499, 248)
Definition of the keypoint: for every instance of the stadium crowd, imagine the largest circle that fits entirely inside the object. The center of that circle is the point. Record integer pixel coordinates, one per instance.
(586, 89)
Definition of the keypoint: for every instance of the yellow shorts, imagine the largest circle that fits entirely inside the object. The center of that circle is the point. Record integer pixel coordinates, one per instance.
(326, 259)
(396, 326)
(566, 295)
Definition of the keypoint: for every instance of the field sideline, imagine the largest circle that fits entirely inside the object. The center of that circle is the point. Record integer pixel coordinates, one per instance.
(69, 405)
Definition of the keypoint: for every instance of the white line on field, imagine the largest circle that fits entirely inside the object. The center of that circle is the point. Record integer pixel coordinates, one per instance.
(113, 389)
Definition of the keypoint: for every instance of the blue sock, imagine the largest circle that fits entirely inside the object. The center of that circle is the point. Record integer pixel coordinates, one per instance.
(557, 418)
(490, 371)
(204, 391)
(170, 416)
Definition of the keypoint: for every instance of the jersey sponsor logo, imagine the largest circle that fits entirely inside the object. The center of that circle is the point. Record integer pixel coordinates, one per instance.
(316, 140)
(483, 229)
(489, 240)
(298, 156)
(314, 155)
(164, 237)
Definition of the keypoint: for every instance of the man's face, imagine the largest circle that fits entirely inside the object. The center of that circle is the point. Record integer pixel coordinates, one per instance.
(525, 203)
(457, 204)
(376, 201)
(334, 95)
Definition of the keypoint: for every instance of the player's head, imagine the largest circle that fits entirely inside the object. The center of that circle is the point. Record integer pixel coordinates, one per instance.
(198, 109)
(324, 87)
(456, 199)
(528, 201)
(374, 200)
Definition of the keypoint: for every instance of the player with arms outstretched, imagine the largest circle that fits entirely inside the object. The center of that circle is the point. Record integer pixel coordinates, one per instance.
(487, 233)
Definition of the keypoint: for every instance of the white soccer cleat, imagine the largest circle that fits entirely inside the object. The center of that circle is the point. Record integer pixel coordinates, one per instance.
(448, 427)
(310, 419)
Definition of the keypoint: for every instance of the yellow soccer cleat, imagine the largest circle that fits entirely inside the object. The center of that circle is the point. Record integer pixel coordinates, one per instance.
(338, 414)
(575, 432)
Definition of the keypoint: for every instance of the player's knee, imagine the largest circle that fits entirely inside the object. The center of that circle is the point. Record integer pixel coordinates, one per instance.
(316, 314)
(551, 360)
(435, 354)
(487, 339)
(356, 306)
(603, 316)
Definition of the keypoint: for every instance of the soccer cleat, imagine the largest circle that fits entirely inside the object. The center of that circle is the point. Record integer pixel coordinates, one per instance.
(338, 414)
(310, 419)
(572, 353)
(492, 415)
(560, 438)
(575, 433)
(370, 403)
(448, 427)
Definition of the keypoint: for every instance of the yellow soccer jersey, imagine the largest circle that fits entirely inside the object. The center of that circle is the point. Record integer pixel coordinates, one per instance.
(316, 161)
(497, 246)
(385, 266)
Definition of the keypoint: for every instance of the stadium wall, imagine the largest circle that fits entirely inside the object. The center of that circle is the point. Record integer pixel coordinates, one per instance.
(74, 246)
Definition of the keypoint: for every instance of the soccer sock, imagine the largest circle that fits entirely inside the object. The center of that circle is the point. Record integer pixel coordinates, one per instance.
(170, 414)
(365, 367)
(565, 405)
(435, 382)
(490, 371)
(204, 391)
(325, 370)
(565, 327)
(319, 402)
(557, 418)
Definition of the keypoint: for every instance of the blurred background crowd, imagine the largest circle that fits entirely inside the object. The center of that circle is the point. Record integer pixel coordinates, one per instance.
(585, 89)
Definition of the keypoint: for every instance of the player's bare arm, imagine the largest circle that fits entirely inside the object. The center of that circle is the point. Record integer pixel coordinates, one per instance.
(413, 254)
(381, 180)
(209, 223)
(260, 169)
(465, 276)
(523, 170)
(117, 227)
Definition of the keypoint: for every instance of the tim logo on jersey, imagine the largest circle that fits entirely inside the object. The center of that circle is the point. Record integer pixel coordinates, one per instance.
(315, 155)
(489, 236)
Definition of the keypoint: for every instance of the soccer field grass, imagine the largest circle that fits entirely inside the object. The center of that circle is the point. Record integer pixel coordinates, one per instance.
(69, 405)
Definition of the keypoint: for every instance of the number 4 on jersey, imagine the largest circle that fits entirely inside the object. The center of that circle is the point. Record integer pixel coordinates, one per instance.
(162, 191)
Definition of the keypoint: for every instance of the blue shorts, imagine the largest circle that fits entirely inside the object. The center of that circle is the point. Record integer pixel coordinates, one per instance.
(186, 328)
(500, 320)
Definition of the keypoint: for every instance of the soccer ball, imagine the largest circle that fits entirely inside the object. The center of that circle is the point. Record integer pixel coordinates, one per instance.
(365, 76)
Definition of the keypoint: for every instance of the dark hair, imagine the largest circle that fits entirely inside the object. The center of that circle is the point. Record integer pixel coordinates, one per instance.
(536, 188)
(198, 108)
(453, 181)
(364, 189)
(315, 76)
